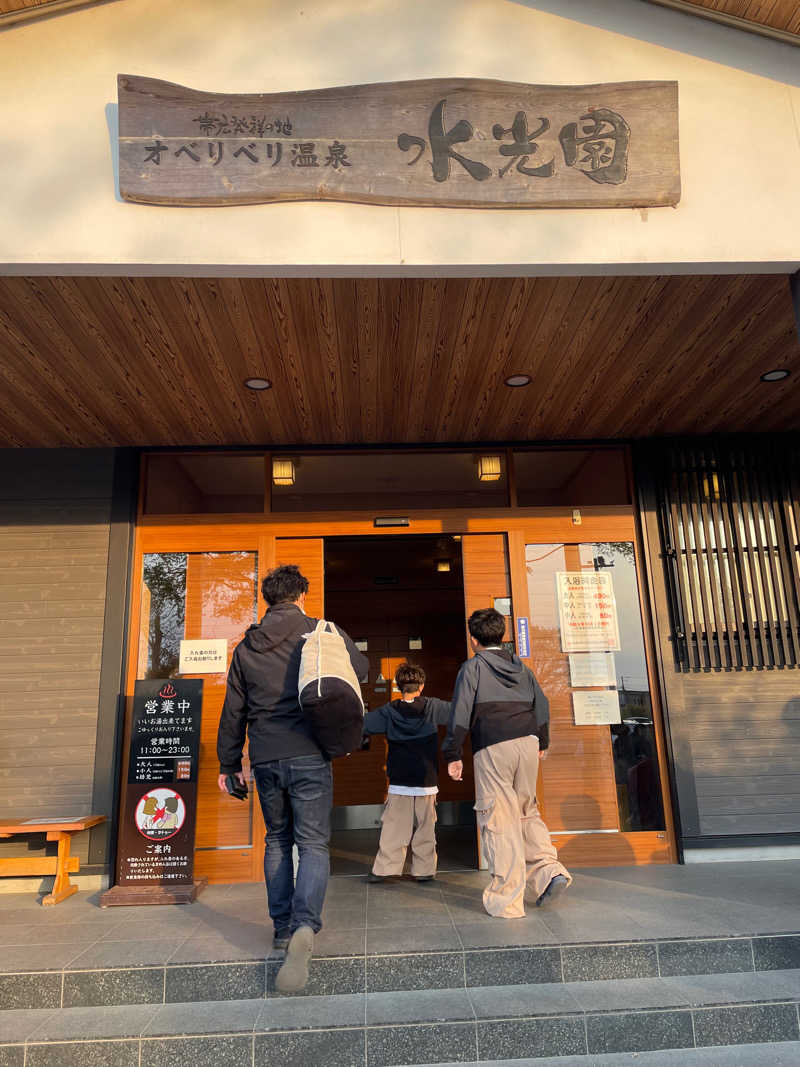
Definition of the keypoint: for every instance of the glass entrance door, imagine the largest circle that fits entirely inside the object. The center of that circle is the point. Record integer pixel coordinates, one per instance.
(203, 596)
(601, 784)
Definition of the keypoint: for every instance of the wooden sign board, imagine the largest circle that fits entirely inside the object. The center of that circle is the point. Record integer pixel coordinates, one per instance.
(441, 142)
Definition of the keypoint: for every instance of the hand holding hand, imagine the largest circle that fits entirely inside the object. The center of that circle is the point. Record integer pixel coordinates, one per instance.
(455, 770)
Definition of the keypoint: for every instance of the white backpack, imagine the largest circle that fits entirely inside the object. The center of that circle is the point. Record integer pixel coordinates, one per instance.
(330, 694)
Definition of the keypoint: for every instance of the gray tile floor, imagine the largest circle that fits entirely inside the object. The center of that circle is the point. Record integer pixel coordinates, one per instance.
(415, 1007)
(231, 923)
(786, 1054)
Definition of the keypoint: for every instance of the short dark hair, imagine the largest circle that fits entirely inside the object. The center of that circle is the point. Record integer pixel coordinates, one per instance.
(487, 626)
(283, 584)
(409, 678)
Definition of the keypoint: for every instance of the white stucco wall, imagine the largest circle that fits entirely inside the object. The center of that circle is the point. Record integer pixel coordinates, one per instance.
(59, 210)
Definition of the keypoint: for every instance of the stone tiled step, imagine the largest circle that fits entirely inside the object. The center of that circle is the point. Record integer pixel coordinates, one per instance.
(345, 965)
(481, 1023)
(786, 1054)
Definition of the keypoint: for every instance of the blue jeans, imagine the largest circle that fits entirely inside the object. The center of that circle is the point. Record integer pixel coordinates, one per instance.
(296, 797)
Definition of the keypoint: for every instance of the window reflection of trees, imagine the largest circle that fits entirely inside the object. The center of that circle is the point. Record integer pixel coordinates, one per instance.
(228, 601)
(229, 593)
(164, 576)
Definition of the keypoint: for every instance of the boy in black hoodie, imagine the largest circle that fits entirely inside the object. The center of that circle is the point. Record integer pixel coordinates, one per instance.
(497, 700)
(413, 769)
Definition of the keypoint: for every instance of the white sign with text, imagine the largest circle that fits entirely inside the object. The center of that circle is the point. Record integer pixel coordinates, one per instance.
(596, 707)
(591, 668)
(209, 656)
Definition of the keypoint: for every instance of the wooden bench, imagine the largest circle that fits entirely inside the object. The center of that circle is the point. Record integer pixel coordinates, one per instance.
(62, 866)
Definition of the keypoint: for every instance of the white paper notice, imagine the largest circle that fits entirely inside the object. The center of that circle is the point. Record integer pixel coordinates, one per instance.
(587, 611)
(204, 657)
(591, 668)
(596, 708)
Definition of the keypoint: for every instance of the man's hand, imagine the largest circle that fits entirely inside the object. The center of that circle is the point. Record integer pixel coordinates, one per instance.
(543, 755)
(455, 770)
(222, 777)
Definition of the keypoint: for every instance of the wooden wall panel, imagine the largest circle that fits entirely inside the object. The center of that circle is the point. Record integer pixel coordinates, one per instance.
(308, 554)
(743, 736)
(486, 577)
(405, 360)
(735, 734)
(613, 850)
(54, 536)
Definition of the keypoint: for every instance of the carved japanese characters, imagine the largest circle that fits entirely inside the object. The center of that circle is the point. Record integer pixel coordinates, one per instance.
(459, 142)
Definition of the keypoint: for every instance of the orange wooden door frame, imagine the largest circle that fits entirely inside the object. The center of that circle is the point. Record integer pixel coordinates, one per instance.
(518, 526)
(604, 848)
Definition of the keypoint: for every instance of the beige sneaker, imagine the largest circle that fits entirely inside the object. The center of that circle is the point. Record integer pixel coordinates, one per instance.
(293, 975)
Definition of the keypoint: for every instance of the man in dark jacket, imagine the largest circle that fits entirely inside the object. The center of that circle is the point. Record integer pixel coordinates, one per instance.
(294, 780)
(412, 766)
(497, 700)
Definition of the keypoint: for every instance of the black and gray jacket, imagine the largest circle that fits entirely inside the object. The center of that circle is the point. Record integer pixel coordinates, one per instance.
(496, 698)
(410, 728)
(261, 698)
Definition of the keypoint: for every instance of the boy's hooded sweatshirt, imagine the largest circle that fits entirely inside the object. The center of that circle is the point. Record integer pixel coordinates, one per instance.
(410, 728)
(496, 698)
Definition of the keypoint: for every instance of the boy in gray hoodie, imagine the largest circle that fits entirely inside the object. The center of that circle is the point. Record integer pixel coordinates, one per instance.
(497, 700)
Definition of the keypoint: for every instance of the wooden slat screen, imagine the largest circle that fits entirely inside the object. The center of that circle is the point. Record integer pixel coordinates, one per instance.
(729, 516)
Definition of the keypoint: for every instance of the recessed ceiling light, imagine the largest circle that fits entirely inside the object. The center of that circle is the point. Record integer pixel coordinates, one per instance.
(258, 383)
(774, 375)
(518, 380)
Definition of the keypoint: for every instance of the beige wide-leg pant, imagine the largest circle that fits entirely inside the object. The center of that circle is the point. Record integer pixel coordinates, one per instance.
(515, 839)
(407, 820)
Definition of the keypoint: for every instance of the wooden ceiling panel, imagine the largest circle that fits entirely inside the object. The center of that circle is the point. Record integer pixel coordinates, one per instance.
(12, 11)
(162, 361)
(780, 15)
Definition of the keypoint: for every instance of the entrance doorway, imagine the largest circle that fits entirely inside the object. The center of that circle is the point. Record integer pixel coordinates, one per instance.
(567, 578)
(401, 598)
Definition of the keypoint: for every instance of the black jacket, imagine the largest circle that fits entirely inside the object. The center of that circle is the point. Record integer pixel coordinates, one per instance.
(496, 698)
(261, 697)
(410, 728)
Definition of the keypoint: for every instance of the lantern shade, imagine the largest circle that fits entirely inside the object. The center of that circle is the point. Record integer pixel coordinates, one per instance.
(489, 468)
(282, 472)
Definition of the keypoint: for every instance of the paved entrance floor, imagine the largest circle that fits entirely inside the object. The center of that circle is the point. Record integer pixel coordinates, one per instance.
(353, 851)
(634, 960)
(229, 922)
